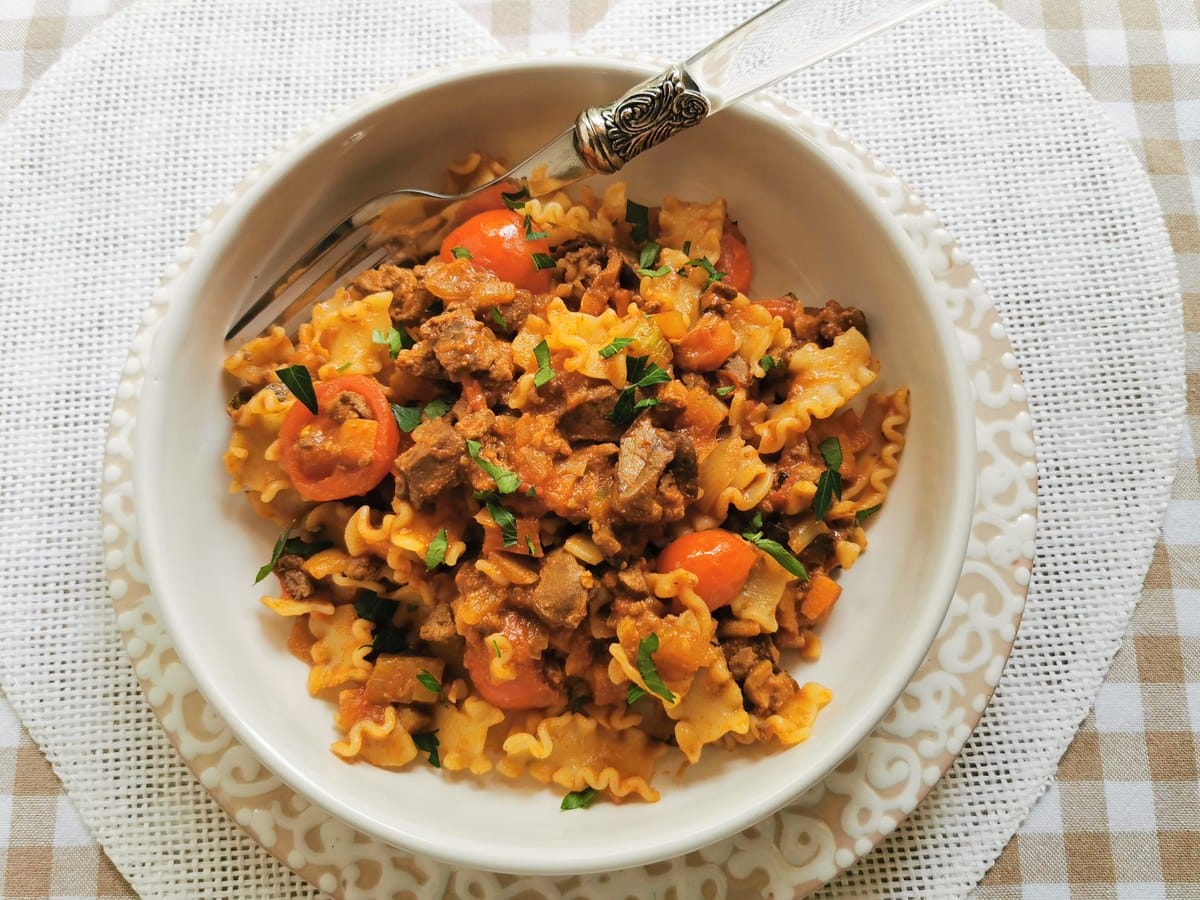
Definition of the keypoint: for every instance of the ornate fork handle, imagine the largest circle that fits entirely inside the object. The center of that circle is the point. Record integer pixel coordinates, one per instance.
(607, 137)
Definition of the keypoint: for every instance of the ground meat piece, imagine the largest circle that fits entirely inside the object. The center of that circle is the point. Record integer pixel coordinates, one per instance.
(743, 653)
(409, 298)
(586, 407)
(464, 346)
(439, 627)
(560, 596)
(296, 583)
(241, 398)
(474, 425)
(363, 568)
(718, 298)
(767, 689)
(822, 325)
(349, 405)
(633, 579)
(432, 464)
(420, 361)
(647, 492)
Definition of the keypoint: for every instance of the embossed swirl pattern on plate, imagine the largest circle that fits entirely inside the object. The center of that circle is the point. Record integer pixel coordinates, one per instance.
(796, 850)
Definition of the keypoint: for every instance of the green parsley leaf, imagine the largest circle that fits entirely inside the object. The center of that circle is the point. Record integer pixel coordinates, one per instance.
(437, 407)
(862, 515)
(344, 366)
(373, 608)
(516, 199)
(634, 694)
(649, 254)
(436, 554)
(532, 492)
(506, 480)
(407, 417)
(545, 371)
(299, 382)
(724, 391)
(506, 521)
(530, 234)
(615, 346)
(639, 373)
(305, 549)
(388, 640)
(645, 403)
(499, 319)
(713, 274)
(276, 553)
(687, 248)
(579, 799)
(428, 682)
(639, 217)
(542, 261)
(647, 647)
(828, 485)
(654, 273)
(781, 555)
(397, 339)
(461, 253)
(529, 544)
(577, 701)
(768, 363)
(831, 452)
(427, 742)
(496, 647)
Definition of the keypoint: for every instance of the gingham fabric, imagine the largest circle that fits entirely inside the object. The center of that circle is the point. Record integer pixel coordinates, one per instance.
(1122, 818)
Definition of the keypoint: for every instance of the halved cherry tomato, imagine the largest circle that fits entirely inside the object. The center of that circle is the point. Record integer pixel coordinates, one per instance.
(735, 260)
(496, 241)
(330, 460)
(784, 307)
(720, 559)
(529, 690)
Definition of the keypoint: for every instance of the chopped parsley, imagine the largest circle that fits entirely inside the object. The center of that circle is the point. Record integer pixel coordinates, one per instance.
(506, 480)
(499, 319)
(530, 545)
(388, 640)
(461, 252)
(496, 647)
(276, 553)
(702, 263)
(305, 549)
(427, 742)
(615, 346)
(506, 521)
(543, 261)
(344, 366)
(579, 799)
(397, 339)
(634, 695)
(639, 373)
(428, 682)
(437, 407)
(545, 371)
(754, 535)
(436, 554)
(530, 234)
(768, 363)
(647, 647)
(862, 515)
(724, 391)
(373, 608)
(516, 199)
(829, 485)
(299, 382)
(637, 216)
(407, 417)
(649, 254)
(687, 248)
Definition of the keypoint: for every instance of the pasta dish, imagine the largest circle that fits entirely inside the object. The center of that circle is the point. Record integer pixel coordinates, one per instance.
(561, 498)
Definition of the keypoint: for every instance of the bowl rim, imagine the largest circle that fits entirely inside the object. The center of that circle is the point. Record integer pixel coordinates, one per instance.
(184, 292)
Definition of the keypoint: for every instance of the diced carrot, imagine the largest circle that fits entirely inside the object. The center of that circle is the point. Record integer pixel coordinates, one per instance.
(706, 347)
(819, 599)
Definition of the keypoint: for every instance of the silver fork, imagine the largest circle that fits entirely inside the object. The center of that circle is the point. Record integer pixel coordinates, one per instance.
(784, 38)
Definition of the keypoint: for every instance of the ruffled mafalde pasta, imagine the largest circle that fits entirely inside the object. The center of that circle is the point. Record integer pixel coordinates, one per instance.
(564, 501)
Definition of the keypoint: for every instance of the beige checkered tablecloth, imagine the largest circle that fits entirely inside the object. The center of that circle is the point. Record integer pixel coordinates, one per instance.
(1122, 818)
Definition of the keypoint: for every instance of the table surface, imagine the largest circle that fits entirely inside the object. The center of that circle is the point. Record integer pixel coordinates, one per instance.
(1122, 818)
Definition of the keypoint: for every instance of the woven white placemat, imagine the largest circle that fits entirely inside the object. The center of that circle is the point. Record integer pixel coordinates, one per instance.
(123, 147)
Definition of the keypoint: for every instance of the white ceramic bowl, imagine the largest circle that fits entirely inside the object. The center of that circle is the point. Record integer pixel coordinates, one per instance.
(811, 228)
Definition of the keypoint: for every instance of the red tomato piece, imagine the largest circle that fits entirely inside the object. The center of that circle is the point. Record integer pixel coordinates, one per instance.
(719, 558)
(496, 241)
(735, 260)
(331, 460)
(529, 690)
